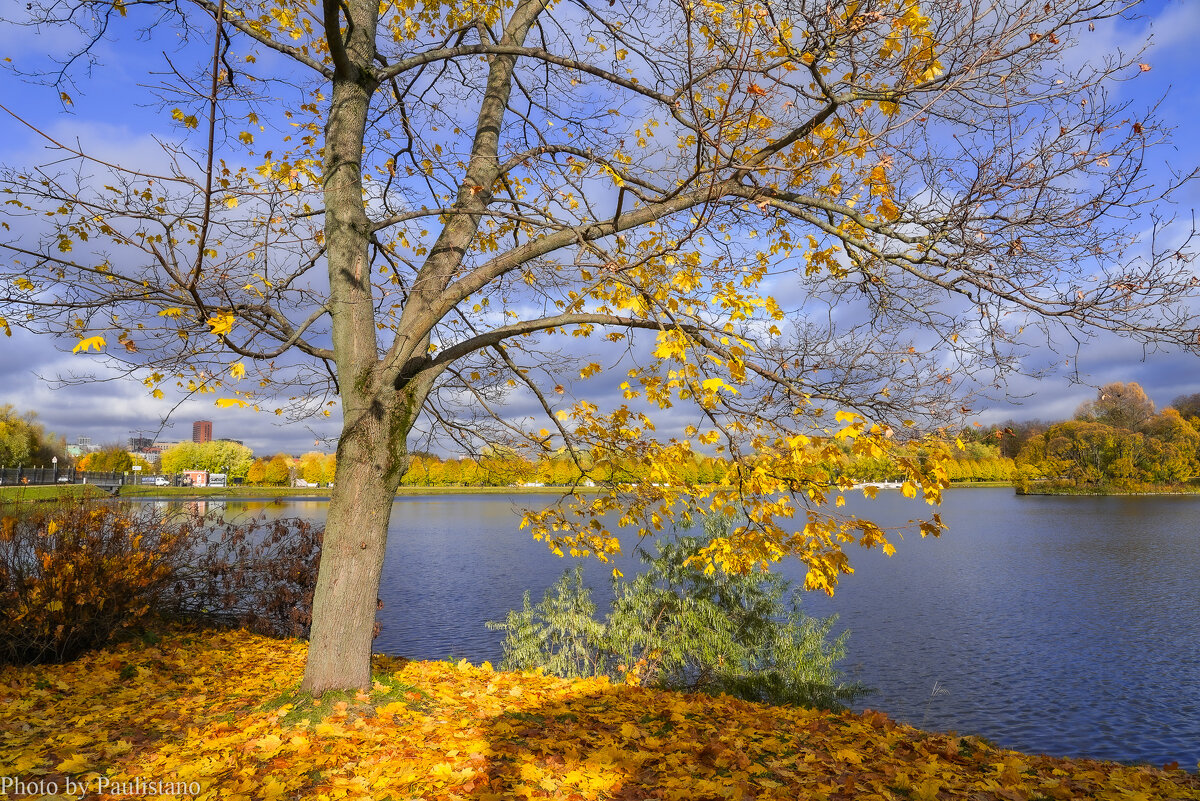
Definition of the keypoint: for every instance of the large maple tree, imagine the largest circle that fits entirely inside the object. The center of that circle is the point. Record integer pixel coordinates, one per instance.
(414, 212)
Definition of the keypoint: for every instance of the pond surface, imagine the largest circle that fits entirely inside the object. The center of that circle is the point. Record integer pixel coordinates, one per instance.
(1068, 626)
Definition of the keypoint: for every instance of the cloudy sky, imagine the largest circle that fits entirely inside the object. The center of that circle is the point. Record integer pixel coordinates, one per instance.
(106, 114)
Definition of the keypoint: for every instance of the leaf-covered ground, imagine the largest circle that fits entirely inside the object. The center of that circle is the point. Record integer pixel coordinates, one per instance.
(217, 709)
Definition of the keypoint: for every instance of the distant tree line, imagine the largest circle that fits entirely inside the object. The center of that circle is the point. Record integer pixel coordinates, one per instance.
(430, 470)
(239, 463)
(112, 459)
(218, 456)
(281, 469)
(970, 456)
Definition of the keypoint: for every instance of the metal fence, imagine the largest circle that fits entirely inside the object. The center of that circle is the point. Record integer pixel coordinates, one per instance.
(12, 476)
(31, 475)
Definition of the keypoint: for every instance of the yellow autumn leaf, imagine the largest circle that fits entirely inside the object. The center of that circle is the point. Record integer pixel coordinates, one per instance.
(611, 173)
(226, 403)
(75, 764)
(670, 344)
(848, 755)
(273, 789)
(118, 748)
(88, 343)
(716, 384)
(238, 370)
(188, 120)
(221, 323)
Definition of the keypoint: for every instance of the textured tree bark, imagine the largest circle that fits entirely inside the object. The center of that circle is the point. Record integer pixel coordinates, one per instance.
(371, 449)
(345, 601)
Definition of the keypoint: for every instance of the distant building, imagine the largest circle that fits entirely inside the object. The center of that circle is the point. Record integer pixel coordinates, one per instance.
(141, 444)
(202, 431)
(82, 447)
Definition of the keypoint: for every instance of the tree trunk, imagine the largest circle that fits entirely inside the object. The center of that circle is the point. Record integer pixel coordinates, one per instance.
(375, 422)
(345, 601)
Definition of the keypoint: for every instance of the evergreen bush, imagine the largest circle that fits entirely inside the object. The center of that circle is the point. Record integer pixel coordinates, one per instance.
(675, 627)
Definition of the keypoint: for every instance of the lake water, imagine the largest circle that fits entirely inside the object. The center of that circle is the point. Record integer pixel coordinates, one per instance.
(1068, 626)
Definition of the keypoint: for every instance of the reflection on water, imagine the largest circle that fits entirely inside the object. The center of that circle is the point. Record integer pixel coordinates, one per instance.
(1068, 626)
(238, 508)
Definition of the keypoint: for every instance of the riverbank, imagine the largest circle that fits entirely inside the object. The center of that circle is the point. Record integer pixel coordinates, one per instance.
(54, 492)
(20, 494)
(51, 492)
(1091, 490)
(324, 492)
(214, 714)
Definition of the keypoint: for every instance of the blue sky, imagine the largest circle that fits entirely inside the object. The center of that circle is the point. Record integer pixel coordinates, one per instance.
(110, 114)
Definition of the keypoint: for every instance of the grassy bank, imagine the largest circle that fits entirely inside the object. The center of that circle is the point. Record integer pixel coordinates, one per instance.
(1063, 488)
(978, 484)
(49, 492)
(323, 492)
(217, 713)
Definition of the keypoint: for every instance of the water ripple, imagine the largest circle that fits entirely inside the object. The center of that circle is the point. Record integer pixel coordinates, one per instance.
(1068, 626)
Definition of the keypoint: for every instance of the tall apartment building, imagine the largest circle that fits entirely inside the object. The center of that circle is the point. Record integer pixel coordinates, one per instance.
(202, 431)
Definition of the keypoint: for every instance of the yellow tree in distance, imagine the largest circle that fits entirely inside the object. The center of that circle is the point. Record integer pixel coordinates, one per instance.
(791, 224)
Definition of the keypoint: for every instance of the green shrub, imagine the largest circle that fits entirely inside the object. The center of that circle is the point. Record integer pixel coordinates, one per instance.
(676, 628)
(74, 577)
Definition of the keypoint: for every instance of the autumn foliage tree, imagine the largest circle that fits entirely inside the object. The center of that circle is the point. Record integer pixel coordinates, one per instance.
(317, 468)
(278, 470)
(220, 456)
(420, 212)
(25, 441)
(1120, 404)
(110, 459)
(257, 472)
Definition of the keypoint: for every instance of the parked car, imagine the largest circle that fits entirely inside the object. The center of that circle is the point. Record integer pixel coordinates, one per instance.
(162, 481)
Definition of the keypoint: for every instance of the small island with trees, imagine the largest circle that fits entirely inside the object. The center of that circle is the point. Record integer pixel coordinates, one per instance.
(1116, 444)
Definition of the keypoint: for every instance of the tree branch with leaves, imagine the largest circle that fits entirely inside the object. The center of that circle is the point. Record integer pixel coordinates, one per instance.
(790, 225)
